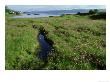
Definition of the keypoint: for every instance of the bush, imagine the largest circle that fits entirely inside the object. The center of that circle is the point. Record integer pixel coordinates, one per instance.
(93, 11)
(100, 15)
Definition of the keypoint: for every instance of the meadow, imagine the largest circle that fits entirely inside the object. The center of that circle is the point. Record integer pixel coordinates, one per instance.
(79, 43)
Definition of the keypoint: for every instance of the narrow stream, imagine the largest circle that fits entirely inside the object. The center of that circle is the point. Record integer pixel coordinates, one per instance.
(45, 47)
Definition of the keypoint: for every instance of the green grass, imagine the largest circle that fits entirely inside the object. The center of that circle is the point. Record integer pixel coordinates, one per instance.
(79, 43)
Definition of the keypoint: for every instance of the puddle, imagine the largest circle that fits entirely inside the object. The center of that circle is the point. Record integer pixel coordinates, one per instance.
(46, 47)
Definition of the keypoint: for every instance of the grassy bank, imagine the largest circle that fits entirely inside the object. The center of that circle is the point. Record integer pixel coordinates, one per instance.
(79, 43)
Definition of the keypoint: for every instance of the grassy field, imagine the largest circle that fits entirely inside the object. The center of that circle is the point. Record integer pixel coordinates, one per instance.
(79, 43)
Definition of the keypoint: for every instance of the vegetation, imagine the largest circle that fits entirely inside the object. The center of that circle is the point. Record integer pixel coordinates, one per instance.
(79, 43)
(94, 14)
(93, 11)
(11, 12)
(100, 15)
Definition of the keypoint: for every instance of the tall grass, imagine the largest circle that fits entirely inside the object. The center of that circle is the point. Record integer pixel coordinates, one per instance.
(78, 42)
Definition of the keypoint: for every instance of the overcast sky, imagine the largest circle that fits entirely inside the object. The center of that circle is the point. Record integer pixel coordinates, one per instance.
(53, 7)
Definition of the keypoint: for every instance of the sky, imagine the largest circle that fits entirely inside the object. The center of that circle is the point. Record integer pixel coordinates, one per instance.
(53, 7)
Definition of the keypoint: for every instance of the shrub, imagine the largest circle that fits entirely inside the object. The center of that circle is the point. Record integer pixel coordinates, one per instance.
(100, 15)
(93, 11)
